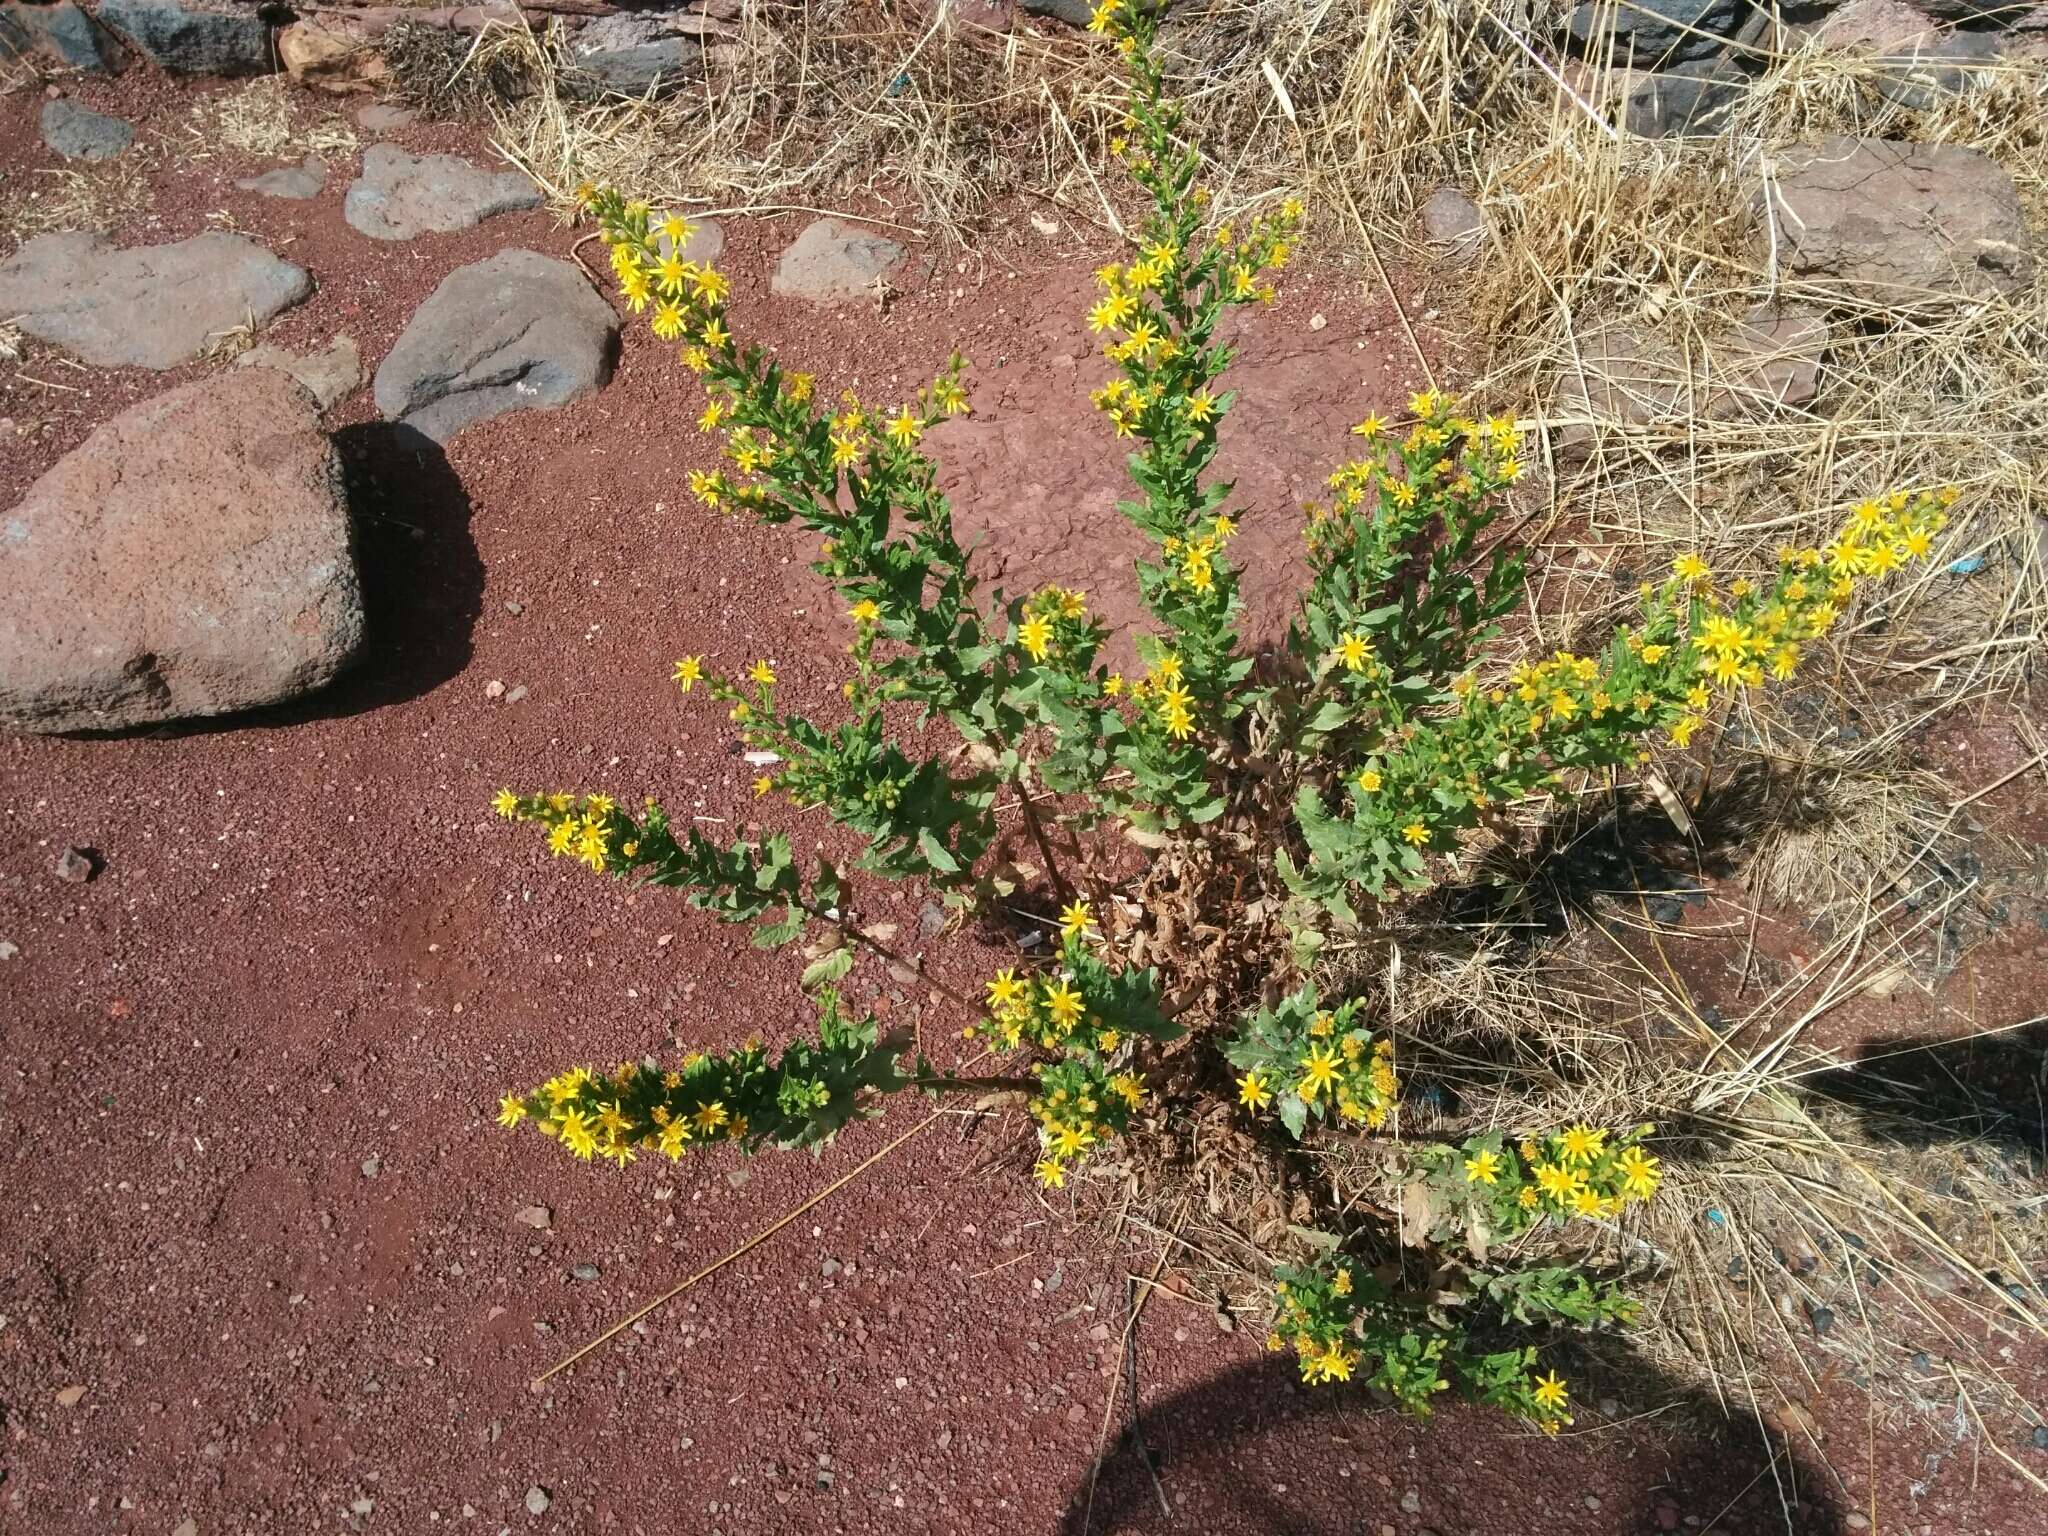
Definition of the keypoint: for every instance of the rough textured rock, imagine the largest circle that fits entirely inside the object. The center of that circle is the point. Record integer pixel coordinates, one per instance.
(1656, 32)
(1769, 361)
(834, 263)
(1881, 26)
(333, 53)
(385, 117)
(149, 306)
(1693, 96)
(1074, 13)
(519, 331)
(79, 133)
(401, 195)
(191, 557)
(1948, 64)
(195, 37)
(634, 52)
(60, 34)
(330, 375)
(1454, 222)
(1899, 223)
(307, 179)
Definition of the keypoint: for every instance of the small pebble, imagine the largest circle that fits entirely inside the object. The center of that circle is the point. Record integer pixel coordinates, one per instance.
(518, 693)
(1411, 1502)
(70, 1397)
(537, 1500)
(2041, 1437)
(585, 1271)
(514, 607)
(1822, 1318)
(8, 949)
(73, 867)
(534, 1216)
(494, 689)
(372, 1166)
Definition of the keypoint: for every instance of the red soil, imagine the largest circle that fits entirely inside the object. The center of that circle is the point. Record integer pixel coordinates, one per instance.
(253, 1205)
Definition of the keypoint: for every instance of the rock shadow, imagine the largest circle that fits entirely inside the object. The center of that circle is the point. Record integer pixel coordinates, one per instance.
(1251, 1452)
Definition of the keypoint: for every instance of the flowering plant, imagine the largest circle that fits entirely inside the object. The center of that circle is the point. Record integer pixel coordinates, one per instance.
(1281, 800)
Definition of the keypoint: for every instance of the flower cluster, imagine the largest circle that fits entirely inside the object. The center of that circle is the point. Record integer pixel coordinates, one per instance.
(1300, 1061)
(800, 1099)
(1582, 1171)
(1090, 1016)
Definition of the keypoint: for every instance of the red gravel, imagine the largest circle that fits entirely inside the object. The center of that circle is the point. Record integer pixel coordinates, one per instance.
(252, 1203)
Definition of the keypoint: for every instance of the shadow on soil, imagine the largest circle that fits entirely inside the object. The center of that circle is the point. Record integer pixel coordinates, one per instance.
(1920, 1090)
(423, 582)
(1253, 1451)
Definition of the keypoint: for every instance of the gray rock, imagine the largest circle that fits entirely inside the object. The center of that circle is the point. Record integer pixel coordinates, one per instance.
(74, 866)
(1692, 97)
(662, 66)
(148, 306)
(1869, 26)
(834, 263)
(537, 1500)
(401, 195)
(330, 376)
(1453, 221)
(191, 557)
(519, 331)
(308, 179)
(705, 245)
(1947, 64)
(1074, 13)
(1897, 223)
(79, 133)
(1656, 32)
(195, 37)
(62, 34)
(385, 117)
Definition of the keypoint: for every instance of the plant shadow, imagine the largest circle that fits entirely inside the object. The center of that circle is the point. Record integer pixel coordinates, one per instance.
(1923, 1090)
(1252, 1451)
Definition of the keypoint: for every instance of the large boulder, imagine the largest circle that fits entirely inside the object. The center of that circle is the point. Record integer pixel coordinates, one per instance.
(191, 557)
(400, 194)
(148, 306)
(519, 331)
(1898, 224)
(196, 37)
(834, 263)
(631, 53)
(61, 34)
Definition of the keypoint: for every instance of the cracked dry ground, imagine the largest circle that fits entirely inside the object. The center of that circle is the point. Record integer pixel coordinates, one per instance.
(253, 1207)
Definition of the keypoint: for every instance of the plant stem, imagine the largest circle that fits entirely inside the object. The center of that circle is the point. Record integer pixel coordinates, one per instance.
(1052, 865)
(945, 1082)
(893, 957)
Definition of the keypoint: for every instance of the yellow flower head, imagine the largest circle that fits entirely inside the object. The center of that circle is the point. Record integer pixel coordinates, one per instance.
(762, 674)
(1075, 919)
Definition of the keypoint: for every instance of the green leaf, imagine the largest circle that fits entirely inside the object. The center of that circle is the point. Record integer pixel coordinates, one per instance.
(826, 969)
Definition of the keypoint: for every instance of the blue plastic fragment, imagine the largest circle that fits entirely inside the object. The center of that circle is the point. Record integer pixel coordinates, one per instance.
(900, 84)
(1716, 1217)
(1969, 565)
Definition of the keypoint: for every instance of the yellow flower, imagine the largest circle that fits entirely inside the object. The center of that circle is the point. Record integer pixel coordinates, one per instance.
(1354, 651)
(1252, 1091)
(505, 803)
(1063, 1003)
(689, 671)
(1201, 405)
(1035, 635)
(1005, 991)
(1318, 1071)
(1416, 834)
(1075, 919)
(866, 611)
(1690, 567)
(1640, 1173)
(1583, 1143)
(1548, 1392)
(1483, 1167)
(511, 1110)
(1112, 685)
(1369, 781)
(714, 413)
(762, 785)
(710, 1117)
(762, 674)
(1050, 1173)
(1370, 428)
